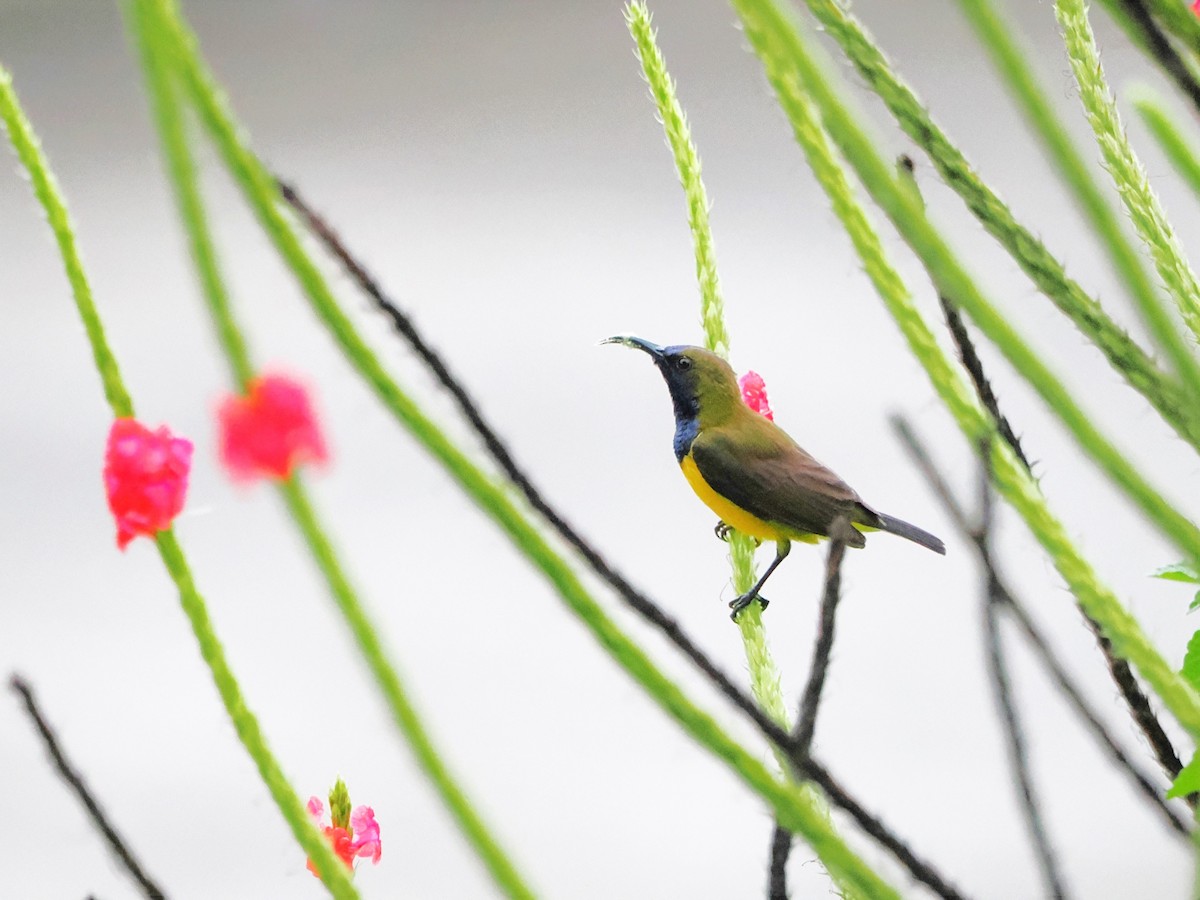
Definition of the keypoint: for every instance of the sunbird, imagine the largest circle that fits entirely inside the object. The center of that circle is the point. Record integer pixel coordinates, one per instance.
(748, 470)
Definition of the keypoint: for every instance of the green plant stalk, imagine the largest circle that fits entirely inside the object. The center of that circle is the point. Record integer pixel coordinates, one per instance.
(789, 804)
(765, 682)
(802, 91)
(908, 215)
(998, 37)
(182, 172)
(687, 164)
(1121, 351)
(764, 675)
(1124, 166)
(1180, 150)
(332, 872)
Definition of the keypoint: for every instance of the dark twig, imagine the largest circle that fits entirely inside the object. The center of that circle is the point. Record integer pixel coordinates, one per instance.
(76, 783)
(781, 849)
(806, 722)
(811, 770)
(1144, 782)
(1140, 708)
(974, 366)
(993, 601)
(1122, 674)
(1159, 46)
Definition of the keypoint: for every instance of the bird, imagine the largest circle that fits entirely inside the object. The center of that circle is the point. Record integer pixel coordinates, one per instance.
(750, 472)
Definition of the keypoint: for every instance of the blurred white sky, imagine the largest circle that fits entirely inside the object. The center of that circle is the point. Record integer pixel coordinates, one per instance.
(500, 168)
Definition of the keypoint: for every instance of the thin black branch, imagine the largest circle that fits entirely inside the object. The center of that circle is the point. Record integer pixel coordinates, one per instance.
(781, 849)
(1139, 707)
(806, 722)
(993, 601)
(1122, 674)
(75, 781)
(1038, 643)
(974, 366)
(1159, 46)
(811, 770)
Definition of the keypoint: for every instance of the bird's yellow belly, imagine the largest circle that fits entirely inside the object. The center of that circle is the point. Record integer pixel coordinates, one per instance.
(732, 514)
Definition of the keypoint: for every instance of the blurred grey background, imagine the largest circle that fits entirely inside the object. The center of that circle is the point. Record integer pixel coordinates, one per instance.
(499, 166)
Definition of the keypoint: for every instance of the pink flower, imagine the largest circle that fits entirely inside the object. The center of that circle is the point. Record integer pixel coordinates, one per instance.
(363, 824)
(754, 390)
(269, 431)
(351, 834)
(1196, 7)
(145, 478)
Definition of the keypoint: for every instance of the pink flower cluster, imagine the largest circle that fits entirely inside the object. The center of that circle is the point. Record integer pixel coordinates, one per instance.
(145, 478)
(754, 391)
(269, 431)
(359, 838)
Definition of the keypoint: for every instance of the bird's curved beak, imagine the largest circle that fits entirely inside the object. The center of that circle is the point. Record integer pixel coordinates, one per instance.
(637, 343)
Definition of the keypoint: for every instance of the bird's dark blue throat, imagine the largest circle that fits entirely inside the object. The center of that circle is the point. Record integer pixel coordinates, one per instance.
(683, 399)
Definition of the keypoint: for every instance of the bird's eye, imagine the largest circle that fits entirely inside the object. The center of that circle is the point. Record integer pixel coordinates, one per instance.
(683, 363)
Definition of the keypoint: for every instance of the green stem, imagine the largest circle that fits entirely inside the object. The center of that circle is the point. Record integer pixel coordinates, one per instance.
(790, 805)
(332, 872)
(1128, 175)
(764, 675)
(687, 165)
(765, 683)
(1181, 150)
(804, 94)
(45, 188)
(1121, 351)
(182, 170)
(997, 36)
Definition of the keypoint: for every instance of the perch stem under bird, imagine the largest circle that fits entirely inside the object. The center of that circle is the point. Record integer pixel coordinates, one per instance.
(748, 470)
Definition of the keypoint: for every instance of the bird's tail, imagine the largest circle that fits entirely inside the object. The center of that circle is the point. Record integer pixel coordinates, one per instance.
(912, 533)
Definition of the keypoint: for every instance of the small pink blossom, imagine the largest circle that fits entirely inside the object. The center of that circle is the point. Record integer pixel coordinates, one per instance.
(269, 431)
(351, 834)
(754, 390)
(363, 824)
(145, 478)
(1196, 7)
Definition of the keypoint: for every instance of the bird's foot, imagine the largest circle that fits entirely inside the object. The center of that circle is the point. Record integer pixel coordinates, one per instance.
(740, 603)
(723, 531)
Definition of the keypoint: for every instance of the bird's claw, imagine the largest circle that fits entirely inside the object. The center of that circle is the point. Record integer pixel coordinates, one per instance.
(723, 531)
(740, 603)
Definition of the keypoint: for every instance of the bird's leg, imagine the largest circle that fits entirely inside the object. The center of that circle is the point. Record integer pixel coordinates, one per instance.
(782, 548)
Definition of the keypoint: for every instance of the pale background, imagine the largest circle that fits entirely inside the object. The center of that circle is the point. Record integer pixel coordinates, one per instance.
(500, 167)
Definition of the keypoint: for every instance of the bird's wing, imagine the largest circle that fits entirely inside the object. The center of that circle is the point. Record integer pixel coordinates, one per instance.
(766, 473)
